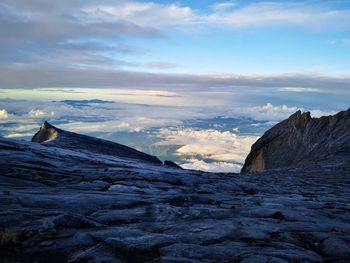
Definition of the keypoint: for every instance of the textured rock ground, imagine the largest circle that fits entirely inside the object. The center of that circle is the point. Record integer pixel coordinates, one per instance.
(74, 205)
(300, 141)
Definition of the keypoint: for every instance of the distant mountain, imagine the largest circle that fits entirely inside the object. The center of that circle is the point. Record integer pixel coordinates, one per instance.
(49, 135)
(302, 140)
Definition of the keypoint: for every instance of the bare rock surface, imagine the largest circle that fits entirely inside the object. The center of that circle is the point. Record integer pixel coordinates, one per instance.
(49, 135)
(302, 141)
(67, 204)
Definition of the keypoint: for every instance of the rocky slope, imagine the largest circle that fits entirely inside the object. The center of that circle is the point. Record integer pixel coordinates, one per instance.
(302, 141)
(70, 203)
(49, 135)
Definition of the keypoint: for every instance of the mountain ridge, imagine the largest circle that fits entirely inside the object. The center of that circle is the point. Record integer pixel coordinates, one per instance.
(301, 140)
(50, 135)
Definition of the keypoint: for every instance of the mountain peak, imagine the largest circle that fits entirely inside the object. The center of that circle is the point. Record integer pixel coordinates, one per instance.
(46, 133)
(53, 136)
(301, 140)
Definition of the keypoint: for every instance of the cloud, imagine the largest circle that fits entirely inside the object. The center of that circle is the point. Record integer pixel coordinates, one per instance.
(208, 144)
(96, 32)
(32, 75)
(258, 14)
(300, 14)
(60, 34)
(270, 112)
(39, 114)
(299, 89)
(142, 13)
(135, 124)
(3, 114)
(161, 65)
(195, 136)
(223, 167)
(224, 6)
(18, 135)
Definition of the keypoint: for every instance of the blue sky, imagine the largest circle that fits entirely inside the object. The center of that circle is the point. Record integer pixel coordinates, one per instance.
(267, 48)
(168, 77)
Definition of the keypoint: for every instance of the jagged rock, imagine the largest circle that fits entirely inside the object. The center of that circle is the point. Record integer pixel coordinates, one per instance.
(51, 136)
(300, 141)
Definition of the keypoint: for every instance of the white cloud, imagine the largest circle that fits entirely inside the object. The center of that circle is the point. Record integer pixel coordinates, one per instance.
(211, 144)
(319, 113)
(3, 114)
(39, 113)
(224, 6)
(299, 89)
(273, 113)
(268, 112)
(91, 127)
(18, 135)
(146, 14)
(226, 167)
(134, 124)
(281, 14)
(250, 15)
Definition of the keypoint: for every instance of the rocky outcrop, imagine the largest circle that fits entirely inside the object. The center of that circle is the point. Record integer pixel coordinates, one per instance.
(172, 164)
(300, 141)
(49, 135)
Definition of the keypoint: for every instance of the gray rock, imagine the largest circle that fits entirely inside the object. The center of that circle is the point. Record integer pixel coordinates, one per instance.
(302, 141)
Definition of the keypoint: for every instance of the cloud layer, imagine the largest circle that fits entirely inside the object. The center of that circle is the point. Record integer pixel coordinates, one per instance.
(3, 114)
(224, 149)
(42, 77)
(206, 138)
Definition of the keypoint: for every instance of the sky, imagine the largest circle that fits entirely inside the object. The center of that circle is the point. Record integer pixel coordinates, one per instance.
(168, 77)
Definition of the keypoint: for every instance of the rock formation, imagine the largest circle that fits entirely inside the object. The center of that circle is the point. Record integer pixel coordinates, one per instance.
(300, 141)
(49, 135)
(172, 164)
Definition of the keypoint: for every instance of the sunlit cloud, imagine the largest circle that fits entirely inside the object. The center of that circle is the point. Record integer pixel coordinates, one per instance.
(195, 164)
(3, 114)
(210, 144)
(39, 114)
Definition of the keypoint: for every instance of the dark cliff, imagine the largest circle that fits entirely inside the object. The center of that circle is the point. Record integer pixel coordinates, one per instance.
(302, 140)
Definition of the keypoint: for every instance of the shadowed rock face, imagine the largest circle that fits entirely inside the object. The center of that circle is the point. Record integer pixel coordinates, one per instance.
(301, 140)
(46, 133)
(49, 135)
